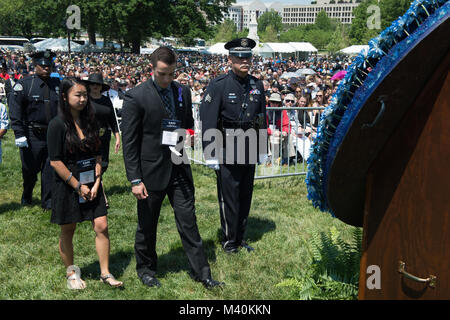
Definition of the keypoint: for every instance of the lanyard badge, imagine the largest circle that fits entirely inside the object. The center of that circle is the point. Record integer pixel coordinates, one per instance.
(169, 136)
(86, 168)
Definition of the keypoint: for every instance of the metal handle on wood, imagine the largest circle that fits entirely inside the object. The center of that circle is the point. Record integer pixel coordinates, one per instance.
(431, 280)
(379, 115)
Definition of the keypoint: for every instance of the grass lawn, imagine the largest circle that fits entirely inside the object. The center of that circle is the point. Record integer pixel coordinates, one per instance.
(280, 224)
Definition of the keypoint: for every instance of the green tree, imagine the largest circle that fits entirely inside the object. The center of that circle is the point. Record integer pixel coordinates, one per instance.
(189, 18)
(225, 31)
(32, 17)
(339, 39)
(318, 38)
(127, 21)
(296, 34)
(323, 22)
(390, 10)
(94, 15)
(270, 34)
(359, 32)
(13, 20)
(270, 18)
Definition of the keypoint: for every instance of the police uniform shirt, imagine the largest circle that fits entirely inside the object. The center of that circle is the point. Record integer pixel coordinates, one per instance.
(224, 99)
(27, 103)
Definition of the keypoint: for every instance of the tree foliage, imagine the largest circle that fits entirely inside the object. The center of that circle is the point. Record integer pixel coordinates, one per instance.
(270, 18)
(126, 21)
(389, 11)
(225, 31)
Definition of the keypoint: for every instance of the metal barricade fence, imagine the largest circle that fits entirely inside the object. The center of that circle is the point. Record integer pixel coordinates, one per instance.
(289, 141)
(2, 92)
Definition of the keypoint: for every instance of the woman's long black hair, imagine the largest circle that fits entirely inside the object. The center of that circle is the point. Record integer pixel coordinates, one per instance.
(88, 124)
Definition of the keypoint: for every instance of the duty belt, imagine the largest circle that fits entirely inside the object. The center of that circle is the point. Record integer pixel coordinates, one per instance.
(256, 123)
(245, 125)
(38, 128)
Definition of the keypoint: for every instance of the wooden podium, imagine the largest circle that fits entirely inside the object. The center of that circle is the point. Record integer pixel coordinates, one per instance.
(407, 207)
(396, 171)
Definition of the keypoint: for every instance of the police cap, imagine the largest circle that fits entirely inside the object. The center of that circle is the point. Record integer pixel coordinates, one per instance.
(241, 47)
(43, 58)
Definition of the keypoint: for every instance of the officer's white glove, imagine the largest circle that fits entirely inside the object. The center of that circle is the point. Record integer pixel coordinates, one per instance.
(213, 164)
(22, 142)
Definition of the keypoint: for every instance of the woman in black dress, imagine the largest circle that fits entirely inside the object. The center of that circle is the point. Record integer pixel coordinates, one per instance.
(77, 195)
(106, 119)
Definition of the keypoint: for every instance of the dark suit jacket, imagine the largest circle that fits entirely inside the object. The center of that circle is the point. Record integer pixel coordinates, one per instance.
(142, 114)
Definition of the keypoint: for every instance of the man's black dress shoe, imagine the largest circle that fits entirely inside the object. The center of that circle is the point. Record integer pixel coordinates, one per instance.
(246, 246)
(150, 281)
(211, 283)
(25, 202)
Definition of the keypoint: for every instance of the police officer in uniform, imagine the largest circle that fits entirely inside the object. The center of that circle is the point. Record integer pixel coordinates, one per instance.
(33, 103)
(234, 103)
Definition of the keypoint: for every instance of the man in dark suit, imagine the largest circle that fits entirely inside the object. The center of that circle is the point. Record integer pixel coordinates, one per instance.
(152, 113)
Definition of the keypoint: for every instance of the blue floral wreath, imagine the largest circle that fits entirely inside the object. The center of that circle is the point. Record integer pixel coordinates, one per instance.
(384, 51)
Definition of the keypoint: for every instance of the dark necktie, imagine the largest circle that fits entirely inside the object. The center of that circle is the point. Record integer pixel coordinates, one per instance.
(167, 104)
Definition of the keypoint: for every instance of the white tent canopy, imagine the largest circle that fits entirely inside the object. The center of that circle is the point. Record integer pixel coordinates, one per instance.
(303, 47)
(147, 50)
(57, 45)
(218, 48)
(271, 49)
(354, 49)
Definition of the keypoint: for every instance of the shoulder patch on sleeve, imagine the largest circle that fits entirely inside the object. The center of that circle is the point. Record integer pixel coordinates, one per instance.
(18, 87)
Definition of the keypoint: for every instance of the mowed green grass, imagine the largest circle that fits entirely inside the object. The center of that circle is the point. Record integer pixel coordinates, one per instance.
(280, 224)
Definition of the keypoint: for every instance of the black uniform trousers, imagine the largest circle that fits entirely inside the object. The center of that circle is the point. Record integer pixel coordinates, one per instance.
(180, 191)
(34, 160)
(235, 189)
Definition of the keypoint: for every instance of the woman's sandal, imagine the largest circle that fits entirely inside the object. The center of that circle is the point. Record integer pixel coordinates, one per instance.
(109, 279)
(74, 282)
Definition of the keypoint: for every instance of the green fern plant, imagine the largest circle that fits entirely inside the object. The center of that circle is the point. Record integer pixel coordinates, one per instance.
(334, 272)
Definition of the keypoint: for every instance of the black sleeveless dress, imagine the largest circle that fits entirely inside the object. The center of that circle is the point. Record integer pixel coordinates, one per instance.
(66, 206)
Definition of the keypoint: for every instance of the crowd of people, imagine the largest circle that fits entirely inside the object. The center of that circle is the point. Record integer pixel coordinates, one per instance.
(125, 71)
